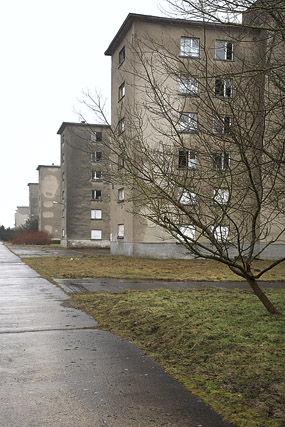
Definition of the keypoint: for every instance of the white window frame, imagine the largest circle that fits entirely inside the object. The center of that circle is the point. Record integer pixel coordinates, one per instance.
(96, 234)
(188, 122)
(96, 213)
(122, 91)
(94, 193)
(225, 88)
(95, 156)
(224, 160)
(222, 50)
(221, 196)
(95, 136)
(121, 125)
(122, 55)
(121, 194)
(188, 85)
(219, 127)
(186, 197)
(95, 177)
(190, 47)
(121, 231)
(188, 231)
(190, 159)
(221, 233)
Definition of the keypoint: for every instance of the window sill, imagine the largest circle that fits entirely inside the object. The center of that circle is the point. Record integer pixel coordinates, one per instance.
(224, 60)
(189, 94)
(190, 56)
(122, 97)
(120, 238)
(120, 201)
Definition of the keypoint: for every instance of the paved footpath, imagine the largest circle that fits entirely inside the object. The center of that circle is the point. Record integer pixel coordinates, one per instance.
(57, 369)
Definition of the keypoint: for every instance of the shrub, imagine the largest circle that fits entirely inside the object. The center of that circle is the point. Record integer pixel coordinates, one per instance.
(26, 237)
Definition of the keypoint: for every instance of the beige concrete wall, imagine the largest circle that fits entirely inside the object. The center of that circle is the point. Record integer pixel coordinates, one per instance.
(34, 200)
(49, 192)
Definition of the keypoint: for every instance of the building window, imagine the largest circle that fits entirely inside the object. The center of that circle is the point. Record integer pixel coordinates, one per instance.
(96, 213)
(122, 91)
(96, 156)
(186, 159)
(96, 175)
(96, 234)
(224, 50)
(121, 162)
(186, 197)
(121, 194)
(121, 231)
(223, 88)
(221, 233)
(96, 195)
(221, 161)
(96, 136)
(221, 196)
(122, 55)
(189, 46)
(188, 122)
(188, 231)
(222, 124)
(62, 233)
(121, 126)
(188, 85)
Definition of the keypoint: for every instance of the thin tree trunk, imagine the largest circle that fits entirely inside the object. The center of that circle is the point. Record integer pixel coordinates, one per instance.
(263, 298)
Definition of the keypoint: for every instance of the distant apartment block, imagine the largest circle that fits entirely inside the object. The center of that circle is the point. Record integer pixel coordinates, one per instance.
(49, 199)
(85, 194)
(34, 200)
(21, 215)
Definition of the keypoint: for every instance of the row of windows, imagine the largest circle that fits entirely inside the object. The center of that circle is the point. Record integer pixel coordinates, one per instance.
(97, 234)
(190, 47)
(188, 122)
(220, 196)
(221, 233)
(189, 85)
(187, 159)
(97, 195)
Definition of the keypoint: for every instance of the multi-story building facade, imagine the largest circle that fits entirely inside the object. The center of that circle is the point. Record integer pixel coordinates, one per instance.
(85, 194)
(21, 216)
(49, 200)
(187, 87)
(34, 200)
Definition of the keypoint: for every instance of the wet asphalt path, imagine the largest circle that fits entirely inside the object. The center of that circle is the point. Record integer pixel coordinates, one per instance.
(58, 370)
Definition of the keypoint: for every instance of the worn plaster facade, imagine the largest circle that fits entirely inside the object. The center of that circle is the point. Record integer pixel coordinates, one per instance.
(85, 194)
(131, 234)
(21, 215)
(34, 200)
(49, 199)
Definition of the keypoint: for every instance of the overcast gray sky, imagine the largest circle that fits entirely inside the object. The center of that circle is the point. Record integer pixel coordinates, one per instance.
(51, 51)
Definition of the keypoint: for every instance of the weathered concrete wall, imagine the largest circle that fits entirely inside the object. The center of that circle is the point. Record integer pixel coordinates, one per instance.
(21, 215)
(49, 200)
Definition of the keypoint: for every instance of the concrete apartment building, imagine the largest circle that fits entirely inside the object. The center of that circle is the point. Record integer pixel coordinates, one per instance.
(188, 46)
(85, 195)
(21, 215)
(49, 200)
(34, 200)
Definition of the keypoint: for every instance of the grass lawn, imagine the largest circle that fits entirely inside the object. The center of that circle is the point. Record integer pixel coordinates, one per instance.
(138, 268)
(222, 345)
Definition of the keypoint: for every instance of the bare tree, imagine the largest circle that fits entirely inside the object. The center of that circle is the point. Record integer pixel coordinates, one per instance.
(196, 161)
